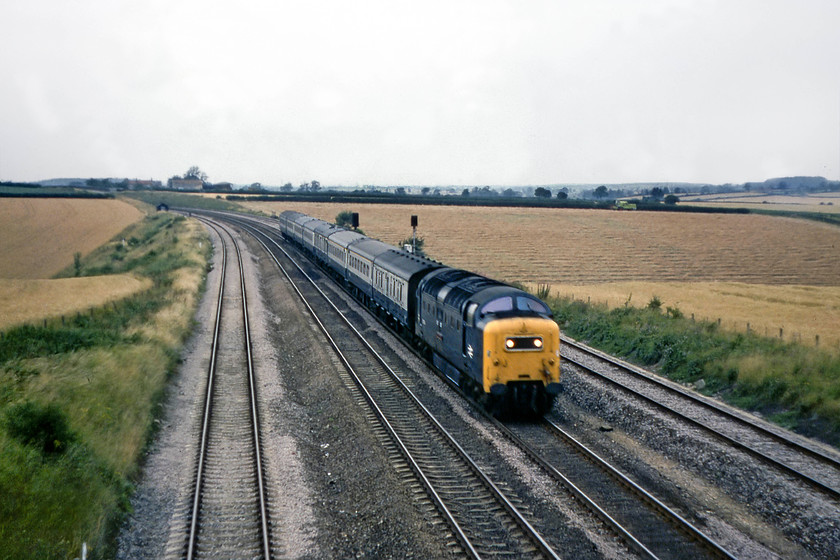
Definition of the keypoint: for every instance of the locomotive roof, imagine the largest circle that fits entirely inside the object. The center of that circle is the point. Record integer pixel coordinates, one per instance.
(457, 287)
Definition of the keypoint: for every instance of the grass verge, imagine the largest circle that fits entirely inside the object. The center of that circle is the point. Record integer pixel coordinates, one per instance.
(78, 397)
(791, 384)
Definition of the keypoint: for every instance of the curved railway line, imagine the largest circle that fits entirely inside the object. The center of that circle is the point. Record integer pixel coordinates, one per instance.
(229, 516)
(482, 519)
(484, 509)
(645, 524)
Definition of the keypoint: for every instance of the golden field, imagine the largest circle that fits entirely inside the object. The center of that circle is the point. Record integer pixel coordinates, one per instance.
(27, 301)
(41, 235)
(800, 313)
(828, 203)
(39, 238)
(774, 273)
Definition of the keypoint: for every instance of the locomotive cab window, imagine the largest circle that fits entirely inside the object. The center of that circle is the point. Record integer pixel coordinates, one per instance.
(498, 305)
(528, 304)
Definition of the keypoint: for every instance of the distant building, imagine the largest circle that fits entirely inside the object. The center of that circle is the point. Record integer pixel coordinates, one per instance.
(185, 184)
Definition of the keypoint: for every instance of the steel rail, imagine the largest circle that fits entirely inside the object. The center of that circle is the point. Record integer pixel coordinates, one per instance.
(508, 505)
(254, 414)
(255, 417)
(679, 522)
(208, 402)
(833, 492)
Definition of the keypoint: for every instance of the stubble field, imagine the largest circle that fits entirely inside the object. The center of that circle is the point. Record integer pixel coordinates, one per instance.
(773, 273)
(40, 237)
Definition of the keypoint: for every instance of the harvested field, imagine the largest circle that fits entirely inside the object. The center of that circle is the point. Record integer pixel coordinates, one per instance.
(828, 203)
(27, 301)
(570, 246)
(801, 313)
(774, 273)
(41, 235)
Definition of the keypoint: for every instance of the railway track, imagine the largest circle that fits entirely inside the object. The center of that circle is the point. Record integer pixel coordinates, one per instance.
(228, 516)
(649, 526)
(797, 458)
(480, 517)
(643, 522)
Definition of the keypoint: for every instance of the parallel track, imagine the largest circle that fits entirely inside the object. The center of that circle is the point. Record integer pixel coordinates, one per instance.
(483, 520)
(808, 464)
(642, 521)
(229, 516)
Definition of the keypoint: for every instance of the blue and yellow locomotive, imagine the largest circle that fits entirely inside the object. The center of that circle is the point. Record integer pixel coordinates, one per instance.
(499, 343)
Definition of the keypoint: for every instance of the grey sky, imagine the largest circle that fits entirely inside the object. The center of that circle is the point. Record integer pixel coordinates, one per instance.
(465, 92)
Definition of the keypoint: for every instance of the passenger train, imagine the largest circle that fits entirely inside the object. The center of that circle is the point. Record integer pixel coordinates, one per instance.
(499, 343)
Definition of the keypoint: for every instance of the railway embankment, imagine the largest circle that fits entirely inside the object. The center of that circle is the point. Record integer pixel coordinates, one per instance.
(789, 383)
(79, 395)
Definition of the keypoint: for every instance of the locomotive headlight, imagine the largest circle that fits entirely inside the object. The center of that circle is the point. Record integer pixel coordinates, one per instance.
(523, 343)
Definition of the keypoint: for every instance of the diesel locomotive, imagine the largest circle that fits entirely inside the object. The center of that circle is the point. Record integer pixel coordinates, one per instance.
(499, 343)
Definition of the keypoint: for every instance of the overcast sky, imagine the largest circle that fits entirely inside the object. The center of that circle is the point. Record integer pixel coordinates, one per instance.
(449, 92)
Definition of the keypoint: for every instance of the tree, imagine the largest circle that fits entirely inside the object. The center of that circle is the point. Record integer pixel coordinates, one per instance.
(671, 199)
(195, 173)
(601, 192)
(542, 192)
(465, 192)
(287, 187)
(562, 195)
(657, 192)
(315, 186)
(418, 245)
(344, 218)
(425, 190)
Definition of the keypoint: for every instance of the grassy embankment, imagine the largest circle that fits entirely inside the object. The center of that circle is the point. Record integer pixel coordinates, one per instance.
(78, 396)
(792, 384)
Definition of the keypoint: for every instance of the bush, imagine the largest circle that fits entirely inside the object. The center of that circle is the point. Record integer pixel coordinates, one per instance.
(41, 426)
